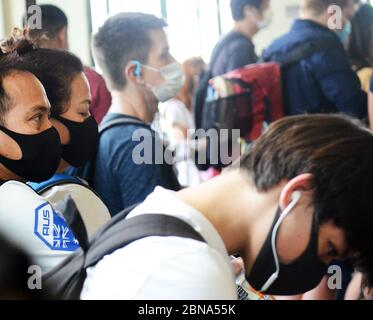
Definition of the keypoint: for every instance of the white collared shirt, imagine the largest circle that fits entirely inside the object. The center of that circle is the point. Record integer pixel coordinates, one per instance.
(165, 268)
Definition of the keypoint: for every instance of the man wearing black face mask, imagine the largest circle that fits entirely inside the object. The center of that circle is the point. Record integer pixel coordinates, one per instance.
(30, 149)
(61, 74)
(300, 199)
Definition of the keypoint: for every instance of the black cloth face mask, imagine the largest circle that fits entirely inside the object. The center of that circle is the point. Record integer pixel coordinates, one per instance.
(297, 277)
(41, 155)
(83, 144)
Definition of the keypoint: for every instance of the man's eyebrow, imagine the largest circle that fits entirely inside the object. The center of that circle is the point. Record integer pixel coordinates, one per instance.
(89, 101)
(165, 51)
(39, 108)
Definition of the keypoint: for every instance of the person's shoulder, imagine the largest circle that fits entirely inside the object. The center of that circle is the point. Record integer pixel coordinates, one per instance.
(123, 133)
(19, 200)
(15, 188)
(167, 264)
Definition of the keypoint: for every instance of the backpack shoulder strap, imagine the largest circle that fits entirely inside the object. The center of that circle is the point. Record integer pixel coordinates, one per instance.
(56, 180)
(67, 279)
(86, 172)
(120, 122)
(299, 52)
(130, 230)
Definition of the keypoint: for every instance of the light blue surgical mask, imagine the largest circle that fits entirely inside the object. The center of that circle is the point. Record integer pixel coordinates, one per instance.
(344, 34)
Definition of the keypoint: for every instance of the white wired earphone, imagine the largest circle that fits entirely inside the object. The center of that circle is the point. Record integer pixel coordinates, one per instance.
(295, 197)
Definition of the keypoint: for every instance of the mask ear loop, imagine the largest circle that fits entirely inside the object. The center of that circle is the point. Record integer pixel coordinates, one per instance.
(137, 73)
(295, 199)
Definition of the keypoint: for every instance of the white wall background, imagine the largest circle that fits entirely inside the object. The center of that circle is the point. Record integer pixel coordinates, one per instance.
(185, 33)
(2, 22)
(281, 22)
(193, 24)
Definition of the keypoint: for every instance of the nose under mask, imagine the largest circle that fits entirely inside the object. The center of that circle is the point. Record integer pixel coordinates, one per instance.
(84, 138)
(41, 155)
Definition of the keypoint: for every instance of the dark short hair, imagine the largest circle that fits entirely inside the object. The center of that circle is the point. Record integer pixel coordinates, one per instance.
(338, 152)
(53, 21)
(238, 7)
(55, 69)
(361, 41)
(10, 62)
(122, 38)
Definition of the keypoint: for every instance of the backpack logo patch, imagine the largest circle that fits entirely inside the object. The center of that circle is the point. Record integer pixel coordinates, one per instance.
(52, 229)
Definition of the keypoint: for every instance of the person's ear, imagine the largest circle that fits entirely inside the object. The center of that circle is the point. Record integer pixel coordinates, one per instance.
(62, 37)
(62, 130)
(295, 188)
(133, 72)
(9, 148)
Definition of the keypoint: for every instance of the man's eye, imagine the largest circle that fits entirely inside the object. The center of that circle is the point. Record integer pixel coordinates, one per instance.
(84, 114)
(37, 118)
(332, 252)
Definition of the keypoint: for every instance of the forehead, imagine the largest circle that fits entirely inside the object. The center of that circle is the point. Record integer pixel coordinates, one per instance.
(80, 85)
(158, 41)
(24, 88)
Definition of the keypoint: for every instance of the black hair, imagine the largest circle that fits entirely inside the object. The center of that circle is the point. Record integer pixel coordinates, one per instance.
(361, 41)
(53, 21)
(124, 37)
(339, 154)
(10, 62)
(55, 69)
(238, 7)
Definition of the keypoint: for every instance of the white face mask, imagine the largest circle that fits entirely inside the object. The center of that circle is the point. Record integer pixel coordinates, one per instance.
(265, 21)
(174, 77)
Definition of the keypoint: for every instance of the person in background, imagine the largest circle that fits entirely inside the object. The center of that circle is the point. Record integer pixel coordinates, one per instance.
(133, 51)
(360, 47)
(349, 11)
(323, 81)
(250, 16)
(236, 49)
(176, 121)
(54, 35)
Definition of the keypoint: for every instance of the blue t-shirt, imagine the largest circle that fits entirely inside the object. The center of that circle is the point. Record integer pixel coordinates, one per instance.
(120, 179)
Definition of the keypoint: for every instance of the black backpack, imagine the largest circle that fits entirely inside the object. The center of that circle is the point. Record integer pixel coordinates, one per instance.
(201, 91)
(67, 279)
